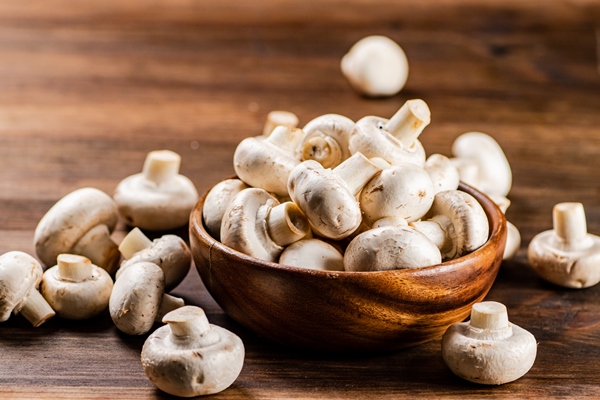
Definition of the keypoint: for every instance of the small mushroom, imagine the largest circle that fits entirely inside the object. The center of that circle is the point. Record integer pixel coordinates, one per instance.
(75, 288)
(20, 276)
(567, 255)
(403, 190)
(169, 252)
(266, 162)
(216, 203)
(395, 140)
(313, 254)
(390, 247)
(456, 223)
(327, 196)
(376, 66)
(488, 349)
(279, 118)
(494, 174)
(158, 198)
(326, 140)
(190, 357)
(257, 225)
(79, 223)
(443, 173)
(138, 298)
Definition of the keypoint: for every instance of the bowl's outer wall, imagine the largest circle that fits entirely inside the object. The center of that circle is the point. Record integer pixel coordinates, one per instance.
(340, 311)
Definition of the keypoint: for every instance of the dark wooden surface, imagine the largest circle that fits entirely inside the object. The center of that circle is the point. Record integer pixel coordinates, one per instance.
(88, 88)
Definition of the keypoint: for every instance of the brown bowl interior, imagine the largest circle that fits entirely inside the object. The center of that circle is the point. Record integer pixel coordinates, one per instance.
(340, 311)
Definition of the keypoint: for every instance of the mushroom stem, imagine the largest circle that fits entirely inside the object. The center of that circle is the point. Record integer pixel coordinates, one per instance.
(187, 322)
(279, 118)
(74, 268)
(134, 242)
(323, 149)
(489, 320)
(98, 246)
(409, 121)
(36, 309)
(286, 138)
(356, 171)
(161, 166)
(286, 223)
(569, 223)
(168, 304)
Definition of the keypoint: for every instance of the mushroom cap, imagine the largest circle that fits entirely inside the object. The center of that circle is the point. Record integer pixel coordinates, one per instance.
(443, 172)
(335, 126)
(376, 66)
(513, 241)
(77, 300)
(490, 362)
(170, 253)
(562, 266)
(323, 196)
(313, 254)
(244, 226)
(372, 140)
(70, 219)
(156, 207)
(181, 369)
(404, 190)
(390, 247)
(19, 274)
(136, 297)
(216, 203)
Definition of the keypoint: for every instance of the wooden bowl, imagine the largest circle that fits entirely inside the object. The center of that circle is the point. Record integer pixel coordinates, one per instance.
(340, 311)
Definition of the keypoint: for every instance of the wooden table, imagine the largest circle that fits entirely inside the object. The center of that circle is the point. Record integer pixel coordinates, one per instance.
(88, 88)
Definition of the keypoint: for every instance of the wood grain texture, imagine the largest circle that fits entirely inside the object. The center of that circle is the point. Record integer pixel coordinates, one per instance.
(88, 88)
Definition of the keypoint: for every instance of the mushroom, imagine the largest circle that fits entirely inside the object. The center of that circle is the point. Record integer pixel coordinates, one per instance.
(266, 162)
(567, 255)
(257, 225)
(389, 221)
(376, 66)
(190, 357)
(216, 203)
(169, 252)
(394, 140)
(456, 223)
(20, 276)
(403, 190)
(79, 223)
(313, 254)
(494, 174)
(279, 118)
(327, 196)
(326, 140)
(138, 298)
(75, 288)
(390, 247)
(513, 236)
(488, 349)
(158, 198)
(443, 173)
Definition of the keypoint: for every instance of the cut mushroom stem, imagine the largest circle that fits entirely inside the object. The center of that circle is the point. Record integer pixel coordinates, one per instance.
(286, 138)
(161, 166)
(74, 268)
(188, 322)
(324, 149)
(279, 118)
(36, 309)
(489, 319)
(409, 121)
(570, 224)
(98, 246)
(356, 171)
(286, 224)
(134, 242)
(168, 304)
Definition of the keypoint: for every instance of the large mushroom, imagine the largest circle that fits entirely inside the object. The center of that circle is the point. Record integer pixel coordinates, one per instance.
(158, 198)
(326, 140)
(216, 203)
(79, 223)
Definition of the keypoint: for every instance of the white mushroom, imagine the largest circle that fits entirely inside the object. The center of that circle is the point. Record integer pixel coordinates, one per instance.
(138, 298)
(158, 198)
(513, 236)
(79, 223)
(488, 349)
(326, 140)
(376, 66)
(313, 254)
(494, 174)
(169, 252)
(456, 223)
(20, 276)
(266, 162)
(257, 225)
(443, 172)
(390, 247)
(403, 190)
(190, 357)
(389, 221)
(395, 140)
(327, 196)
(75, 288)
(279, 118)
(567, 255)
(216, 203)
